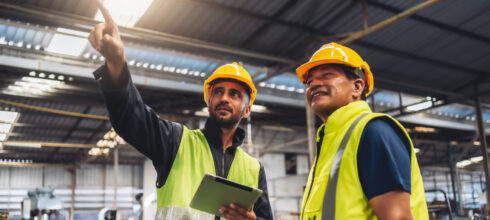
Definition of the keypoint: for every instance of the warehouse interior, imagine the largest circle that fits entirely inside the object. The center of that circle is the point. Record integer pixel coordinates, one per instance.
(429, 60)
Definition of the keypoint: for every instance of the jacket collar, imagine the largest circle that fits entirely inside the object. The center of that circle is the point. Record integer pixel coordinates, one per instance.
(212, 132)
(343, 116)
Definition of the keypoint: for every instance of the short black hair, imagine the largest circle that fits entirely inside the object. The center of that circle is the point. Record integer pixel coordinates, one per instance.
(244, 85)
(350, 73)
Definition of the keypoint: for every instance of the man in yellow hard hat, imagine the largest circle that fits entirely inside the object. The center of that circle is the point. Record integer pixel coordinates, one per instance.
(181, 156)
(365, 167)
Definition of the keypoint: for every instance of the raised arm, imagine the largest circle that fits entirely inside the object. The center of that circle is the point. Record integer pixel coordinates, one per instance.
(105, 38)
(137, 123)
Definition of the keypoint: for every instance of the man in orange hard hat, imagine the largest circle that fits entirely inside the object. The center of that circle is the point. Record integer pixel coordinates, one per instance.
(181, 156)
(365, 167)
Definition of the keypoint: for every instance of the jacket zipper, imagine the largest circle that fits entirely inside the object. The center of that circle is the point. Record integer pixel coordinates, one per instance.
(223, 163)
(313, 177)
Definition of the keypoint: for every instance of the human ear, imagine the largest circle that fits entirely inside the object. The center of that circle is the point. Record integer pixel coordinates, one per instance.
(246, 113)
(358, 87)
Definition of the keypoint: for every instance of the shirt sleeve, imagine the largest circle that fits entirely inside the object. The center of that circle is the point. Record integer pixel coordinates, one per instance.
(383, 158)
(138, 124)
(262, 207)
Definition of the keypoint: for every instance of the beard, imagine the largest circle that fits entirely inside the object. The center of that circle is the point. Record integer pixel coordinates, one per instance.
(227, 122)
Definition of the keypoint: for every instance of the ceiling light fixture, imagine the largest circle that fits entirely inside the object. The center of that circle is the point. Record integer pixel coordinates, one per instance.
(259, 108)
(22, 144)
(125, 12)
(8, 116)
(68, 45)
(419, 106)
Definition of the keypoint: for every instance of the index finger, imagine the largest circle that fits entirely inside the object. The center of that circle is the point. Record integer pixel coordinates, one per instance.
(105, 12)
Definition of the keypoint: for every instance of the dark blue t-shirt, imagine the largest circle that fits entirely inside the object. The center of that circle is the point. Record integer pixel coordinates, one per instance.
(383, 158)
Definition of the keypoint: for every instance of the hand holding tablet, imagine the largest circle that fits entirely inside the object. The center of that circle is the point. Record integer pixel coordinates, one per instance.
(215, 192)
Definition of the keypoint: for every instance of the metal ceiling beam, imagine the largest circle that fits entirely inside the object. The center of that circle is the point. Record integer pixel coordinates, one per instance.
(399, 83)
(389, 21)
(404, 14)
(69, 133)
(268, 23)
(134, 31)
(140, 33)
(430, 61)
(434, 23)
(229, 9)
(96, 131)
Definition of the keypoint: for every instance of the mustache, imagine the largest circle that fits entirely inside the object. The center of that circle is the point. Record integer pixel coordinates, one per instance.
(224, 106)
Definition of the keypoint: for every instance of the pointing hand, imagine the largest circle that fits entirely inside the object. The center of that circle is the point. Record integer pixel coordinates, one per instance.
(105, 38)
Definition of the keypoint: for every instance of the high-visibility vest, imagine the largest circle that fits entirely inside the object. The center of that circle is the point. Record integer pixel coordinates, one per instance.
(334, 190)
(193, 160)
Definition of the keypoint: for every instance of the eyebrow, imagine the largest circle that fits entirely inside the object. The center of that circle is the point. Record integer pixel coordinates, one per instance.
(231, 89)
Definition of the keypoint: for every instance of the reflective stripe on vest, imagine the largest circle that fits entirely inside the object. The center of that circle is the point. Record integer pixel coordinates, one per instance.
(174, 212)
(193, 160)
(329, 200)
(347, 199)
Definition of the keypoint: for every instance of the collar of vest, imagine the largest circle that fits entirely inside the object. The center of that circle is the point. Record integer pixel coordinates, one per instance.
(212, 132)
(342, 115)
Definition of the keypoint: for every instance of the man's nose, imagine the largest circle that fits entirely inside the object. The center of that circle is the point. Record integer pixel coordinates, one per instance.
(314, 84)
(225, 97)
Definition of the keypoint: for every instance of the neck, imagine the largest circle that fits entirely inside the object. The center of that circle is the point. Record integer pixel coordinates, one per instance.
(227, 136)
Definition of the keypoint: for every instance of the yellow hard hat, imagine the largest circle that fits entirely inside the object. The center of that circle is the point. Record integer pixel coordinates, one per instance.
(336, 53)
(231, 71)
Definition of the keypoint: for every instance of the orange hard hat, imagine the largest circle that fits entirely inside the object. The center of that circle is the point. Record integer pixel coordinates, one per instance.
(231, 71)
(339, 54)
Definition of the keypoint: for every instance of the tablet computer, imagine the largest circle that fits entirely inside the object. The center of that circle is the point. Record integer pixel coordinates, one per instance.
(216, 191)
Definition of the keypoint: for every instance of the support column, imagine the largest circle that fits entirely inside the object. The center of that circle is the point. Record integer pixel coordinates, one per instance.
(116, 171)
(73, 183)
(453, 174)
(483, 147)
(400, 101)
(310, 125)
(373, 103)
(249, 135)
(460, 193)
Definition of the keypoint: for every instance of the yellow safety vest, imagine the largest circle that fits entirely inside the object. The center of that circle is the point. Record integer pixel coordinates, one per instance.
(193, 160)
(334, 190)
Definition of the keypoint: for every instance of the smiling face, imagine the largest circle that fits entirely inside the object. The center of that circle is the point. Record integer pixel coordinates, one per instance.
(328, 88)
(228, 103)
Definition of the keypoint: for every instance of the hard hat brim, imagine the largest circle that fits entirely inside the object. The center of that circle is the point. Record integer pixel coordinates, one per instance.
(253, 90)
(303, 69)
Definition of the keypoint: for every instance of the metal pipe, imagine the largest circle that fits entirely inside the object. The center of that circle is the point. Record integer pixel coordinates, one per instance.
(373, 102)
(310, 125)
(400, 103)
(388, 21)
(73, 183)
(445, 198)
(483, 147)
(364, 14)
(453, 174)
(249, 135)
(116, 171)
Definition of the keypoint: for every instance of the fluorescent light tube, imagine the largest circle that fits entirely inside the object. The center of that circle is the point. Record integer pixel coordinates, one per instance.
(8, 117)
(419, 106)
(69, 45)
